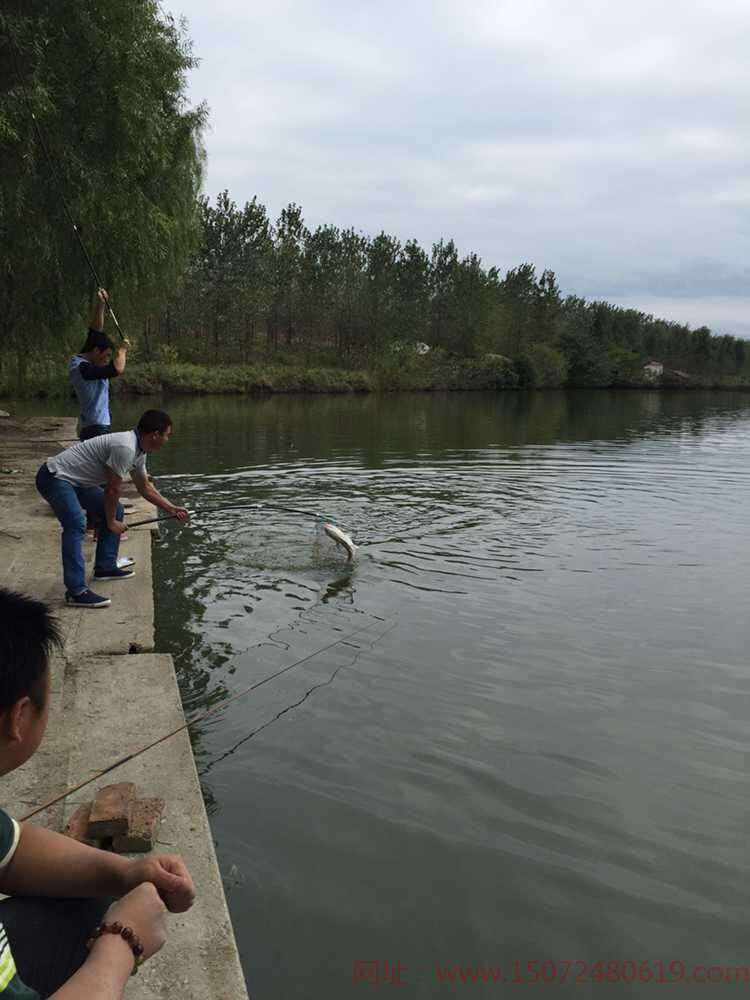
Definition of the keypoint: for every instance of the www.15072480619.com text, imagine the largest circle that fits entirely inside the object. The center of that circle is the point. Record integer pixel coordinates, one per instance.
(379, 972)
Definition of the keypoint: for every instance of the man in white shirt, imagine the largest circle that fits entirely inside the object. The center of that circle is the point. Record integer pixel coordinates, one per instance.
(71, 484)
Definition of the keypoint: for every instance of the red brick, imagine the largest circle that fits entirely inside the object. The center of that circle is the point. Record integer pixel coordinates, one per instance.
(144, 828)
(112, 810)
(77, 826)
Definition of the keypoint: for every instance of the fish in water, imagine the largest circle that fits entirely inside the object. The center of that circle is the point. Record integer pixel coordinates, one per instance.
(341, 538)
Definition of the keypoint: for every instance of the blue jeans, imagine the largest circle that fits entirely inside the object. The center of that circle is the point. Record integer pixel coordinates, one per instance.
(69, 502)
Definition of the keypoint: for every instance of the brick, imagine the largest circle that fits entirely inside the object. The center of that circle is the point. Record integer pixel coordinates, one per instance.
(144, 828)
(77, 826)
(112, 810)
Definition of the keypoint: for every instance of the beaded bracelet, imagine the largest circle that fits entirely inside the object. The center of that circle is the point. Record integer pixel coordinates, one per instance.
(127, 934)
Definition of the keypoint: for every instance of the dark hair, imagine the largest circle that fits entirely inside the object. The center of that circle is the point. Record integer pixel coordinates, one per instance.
(28, 635)
(98, 339)
(154, 420)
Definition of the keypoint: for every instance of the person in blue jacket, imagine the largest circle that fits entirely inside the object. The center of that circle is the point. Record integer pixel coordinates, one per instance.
(91, 369)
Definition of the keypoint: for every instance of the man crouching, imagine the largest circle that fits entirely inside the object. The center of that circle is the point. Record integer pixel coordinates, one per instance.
(71, 483)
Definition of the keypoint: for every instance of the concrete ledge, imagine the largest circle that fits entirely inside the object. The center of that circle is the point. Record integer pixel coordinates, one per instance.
(32, 564)
(107, 704)
(123, 703)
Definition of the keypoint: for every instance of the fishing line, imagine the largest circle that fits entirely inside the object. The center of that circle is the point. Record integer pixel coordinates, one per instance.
(187, 725)
(50, 163)
(295, 704)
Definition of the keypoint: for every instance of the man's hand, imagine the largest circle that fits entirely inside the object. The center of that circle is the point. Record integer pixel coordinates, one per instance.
(102, 295)
(143, 911)
(118, 527)
(181, 513)
(167, 872)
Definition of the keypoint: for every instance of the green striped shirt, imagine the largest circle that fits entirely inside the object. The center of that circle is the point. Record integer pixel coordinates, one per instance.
(11, 986)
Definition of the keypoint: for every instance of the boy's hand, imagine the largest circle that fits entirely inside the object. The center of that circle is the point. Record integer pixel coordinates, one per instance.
(143, 911)
(102, 295)
(170, 877)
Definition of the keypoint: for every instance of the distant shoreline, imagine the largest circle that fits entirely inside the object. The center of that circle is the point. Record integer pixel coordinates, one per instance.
(263, 380)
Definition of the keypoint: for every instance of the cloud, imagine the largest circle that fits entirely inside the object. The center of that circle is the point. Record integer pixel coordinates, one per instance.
(606, 142)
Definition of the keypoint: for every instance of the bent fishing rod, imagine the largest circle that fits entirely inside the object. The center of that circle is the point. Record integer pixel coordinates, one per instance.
(50, 163)
(193, 722)
(340, 537)
(235, 506)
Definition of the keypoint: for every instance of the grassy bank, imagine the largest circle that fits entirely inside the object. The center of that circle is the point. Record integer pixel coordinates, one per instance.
(40, 377)
(48, 378)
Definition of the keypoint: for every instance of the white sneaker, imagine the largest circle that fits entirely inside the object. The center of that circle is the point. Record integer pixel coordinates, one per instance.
(124, 561)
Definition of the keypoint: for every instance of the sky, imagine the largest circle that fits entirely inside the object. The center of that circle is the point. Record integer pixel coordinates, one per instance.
(607, 142)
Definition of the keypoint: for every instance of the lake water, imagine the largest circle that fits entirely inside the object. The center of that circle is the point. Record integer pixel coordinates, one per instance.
(530, 743)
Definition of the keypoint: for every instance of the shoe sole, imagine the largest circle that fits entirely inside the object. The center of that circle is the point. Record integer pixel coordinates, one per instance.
(93, 607)
(115, 578)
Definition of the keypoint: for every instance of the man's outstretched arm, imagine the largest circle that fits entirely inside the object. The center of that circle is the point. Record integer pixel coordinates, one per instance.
(149, 492)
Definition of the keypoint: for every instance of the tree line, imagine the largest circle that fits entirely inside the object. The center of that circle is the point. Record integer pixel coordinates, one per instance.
(213, 282)
(254, 286)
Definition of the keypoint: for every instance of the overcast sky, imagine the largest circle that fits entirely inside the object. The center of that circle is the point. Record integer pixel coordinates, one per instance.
(608, 142)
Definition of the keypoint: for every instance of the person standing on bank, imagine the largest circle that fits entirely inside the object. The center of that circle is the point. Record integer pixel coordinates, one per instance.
(70, 483)
(91, 369)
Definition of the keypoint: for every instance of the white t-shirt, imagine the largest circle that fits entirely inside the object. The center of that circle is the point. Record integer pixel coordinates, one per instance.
(87, 463)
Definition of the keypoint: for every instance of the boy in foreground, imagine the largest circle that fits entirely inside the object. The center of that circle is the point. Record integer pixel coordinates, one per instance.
(62, 890)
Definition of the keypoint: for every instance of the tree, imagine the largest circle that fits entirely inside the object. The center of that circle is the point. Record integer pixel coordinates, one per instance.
(289, 236)
(106, 82)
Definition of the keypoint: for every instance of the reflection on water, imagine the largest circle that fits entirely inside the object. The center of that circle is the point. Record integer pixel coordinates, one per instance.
(531, 741)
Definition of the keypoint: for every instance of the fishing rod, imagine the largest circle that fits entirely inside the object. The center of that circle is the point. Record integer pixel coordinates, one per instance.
(235, 506)
(339, 536)
(50, 163)
(193, 722)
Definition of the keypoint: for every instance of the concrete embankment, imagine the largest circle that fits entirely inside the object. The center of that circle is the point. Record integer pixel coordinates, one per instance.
(112, 694)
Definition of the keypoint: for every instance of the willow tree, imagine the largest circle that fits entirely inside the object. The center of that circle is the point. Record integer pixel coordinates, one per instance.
(106, 83)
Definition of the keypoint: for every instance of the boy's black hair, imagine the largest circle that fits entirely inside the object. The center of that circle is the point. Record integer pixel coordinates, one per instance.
(28, 636)
(154, 420)
(97, 338)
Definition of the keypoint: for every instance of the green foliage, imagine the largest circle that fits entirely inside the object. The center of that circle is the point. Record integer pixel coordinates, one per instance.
(239, 379)
(257, 291)
(624, 364)
(224, 298)
(105, 81)
(541, 366)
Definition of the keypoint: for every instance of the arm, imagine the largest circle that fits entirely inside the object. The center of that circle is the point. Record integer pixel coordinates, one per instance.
(150, 493)
(105, 973)
(96, 315)
(118, 361)
(111, 500)
(90, 373)
(46, 863)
